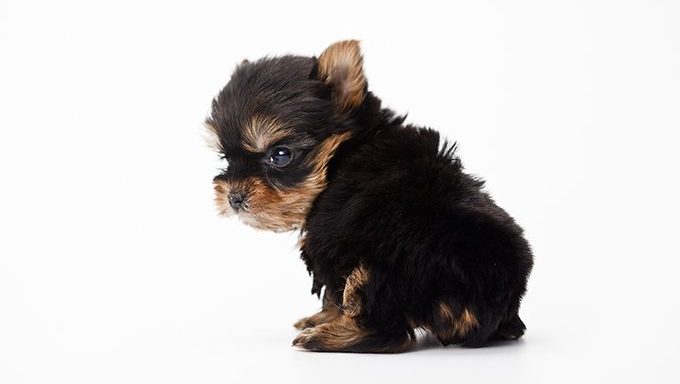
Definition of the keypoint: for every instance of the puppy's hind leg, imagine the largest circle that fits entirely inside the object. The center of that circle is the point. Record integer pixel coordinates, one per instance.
(512, 329)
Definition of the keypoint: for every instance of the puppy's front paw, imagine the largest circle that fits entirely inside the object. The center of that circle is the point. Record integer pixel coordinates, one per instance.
(340, 335)
(304, 338)
(345, 335)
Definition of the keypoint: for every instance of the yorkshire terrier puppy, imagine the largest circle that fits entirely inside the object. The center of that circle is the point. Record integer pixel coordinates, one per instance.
(392, 229)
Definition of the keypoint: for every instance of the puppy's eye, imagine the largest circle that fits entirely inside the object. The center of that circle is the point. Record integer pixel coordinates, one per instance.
(280, 156)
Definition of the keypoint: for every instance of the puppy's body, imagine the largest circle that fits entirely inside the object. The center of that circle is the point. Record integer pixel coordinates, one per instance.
(437, 252)
(396, 232)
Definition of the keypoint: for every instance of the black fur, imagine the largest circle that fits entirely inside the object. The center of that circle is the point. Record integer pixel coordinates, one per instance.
(281, 87)
(397, 202)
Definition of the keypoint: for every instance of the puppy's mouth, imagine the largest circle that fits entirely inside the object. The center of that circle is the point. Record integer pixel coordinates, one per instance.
(244, 212)
(263, 220)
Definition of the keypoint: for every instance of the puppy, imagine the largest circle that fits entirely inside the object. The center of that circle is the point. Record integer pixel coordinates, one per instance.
(391, 228)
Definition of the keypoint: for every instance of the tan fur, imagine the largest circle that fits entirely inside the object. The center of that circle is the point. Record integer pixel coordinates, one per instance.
(327, 314)
(341, 331)
(446, 312)
(330, 311)
(341, 66)
(351, 302)
(342, 334)
(466, 322)
(261, 132)
(332, 336)
(459, 325)
(222, 189)
(280, 209)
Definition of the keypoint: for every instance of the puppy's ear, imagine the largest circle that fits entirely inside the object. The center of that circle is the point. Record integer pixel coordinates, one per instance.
(341, 67)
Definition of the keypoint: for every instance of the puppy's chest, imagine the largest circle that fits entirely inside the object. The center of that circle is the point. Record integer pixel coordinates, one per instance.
(327, 259)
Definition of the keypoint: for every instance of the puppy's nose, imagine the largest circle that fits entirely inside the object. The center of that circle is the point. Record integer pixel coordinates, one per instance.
(236, 199)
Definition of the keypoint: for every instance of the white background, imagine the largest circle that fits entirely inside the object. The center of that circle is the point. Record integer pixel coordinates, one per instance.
(114, 267)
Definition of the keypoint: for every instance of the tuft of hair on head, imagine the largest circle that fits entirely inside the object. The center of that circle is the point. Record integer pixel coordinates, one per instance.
(340, 66)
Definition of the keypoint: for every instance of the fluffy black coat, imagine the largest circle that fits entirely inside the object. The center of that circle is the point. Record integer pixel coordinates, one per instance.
(399, 203)
(400, 236)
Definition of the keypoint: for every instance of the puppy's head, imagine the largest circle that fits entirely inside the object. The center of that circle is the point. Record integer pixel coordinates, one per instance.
(277, 123)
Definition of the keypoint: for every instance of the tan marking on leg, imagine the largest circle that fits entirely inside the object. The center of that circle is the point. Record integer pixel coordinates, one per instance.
(459, 325)
(446, 312)
(326, 315)
(345, 334)
(466, 322)
(351, 300)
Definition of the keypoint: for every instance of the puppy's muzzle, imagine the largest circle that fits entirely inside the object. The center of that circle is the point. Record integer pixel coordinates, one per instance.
(237, 200)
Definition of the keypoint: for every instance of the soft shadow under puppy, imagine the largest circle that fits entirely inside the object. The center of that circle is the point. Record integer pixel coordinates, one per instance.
(425, 341)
